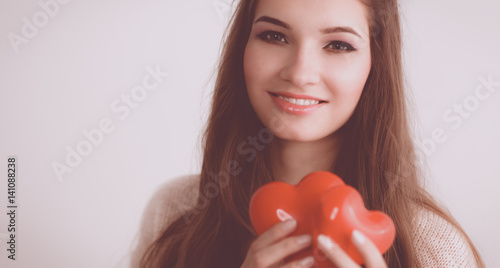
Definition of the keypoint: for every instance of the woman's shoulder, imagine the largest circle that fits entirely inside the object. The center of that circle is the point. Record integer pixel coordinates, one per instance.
(170, 200)
(176, 185)
(440, 244)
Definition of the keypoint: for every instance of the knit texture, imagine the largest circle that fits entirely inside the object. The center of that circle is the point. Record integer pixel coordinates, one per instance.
(438, 244)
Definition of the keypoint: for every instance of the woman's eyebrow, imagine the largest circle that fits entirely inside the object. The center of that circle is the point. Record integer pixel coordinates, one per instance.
(274, 21)
(328, 30)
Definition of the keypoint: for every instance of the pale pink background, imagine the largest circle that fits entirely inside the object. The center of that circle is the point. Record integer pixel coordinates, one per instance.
(65, 79)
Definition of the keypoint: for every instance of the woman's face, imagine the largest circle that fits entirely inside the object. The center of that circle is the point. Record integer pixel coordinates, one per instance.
(305, 64)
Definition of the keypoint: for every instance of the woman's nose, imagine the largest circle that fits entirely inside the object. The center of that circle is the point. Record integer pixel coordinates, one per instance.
(302, 67)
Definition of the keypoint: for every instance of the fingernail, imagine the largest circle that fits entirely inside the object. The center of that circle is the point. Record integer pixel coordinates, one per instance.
(358, 237)
(304, 239)
(307, 261)
(325, 242)
(290, 224)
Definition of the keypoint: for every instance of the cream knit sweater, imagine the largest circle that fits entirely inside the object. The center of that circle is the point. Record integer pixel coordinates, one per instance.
(438, 244)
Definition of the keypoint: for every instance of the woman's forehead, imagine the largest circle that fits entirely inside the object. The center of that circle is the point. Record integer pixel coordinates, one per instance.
(315, 14)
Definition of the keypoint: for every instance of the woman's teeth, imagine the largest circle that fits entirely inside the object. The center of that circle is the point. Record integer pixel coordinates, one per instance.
(299, 101)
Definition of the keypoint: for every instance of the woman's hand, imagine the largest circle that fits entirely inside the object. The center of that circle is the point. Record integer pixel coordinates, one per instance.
(369, 252)
(272, 247)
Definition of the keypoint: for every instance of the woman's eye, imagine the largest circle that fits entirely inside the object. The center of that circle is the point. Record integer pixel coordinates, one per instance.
(340, 46)
(272, 36)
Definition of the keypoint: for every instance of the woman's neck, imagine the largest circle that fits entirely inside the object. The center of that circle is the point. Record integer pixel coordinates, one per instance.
(292, 160)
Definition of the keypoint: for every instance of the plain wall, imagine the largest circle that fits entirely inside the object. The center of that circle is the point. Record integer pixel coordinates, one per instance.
(65, 78)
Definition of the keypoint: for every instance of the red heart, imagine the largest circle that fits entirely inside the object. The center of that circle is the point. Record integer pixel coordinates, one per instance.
(321, 203)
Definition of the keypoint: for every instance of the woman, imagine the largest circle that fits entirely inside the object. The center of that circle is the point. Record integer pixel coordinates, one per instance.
(303, 86)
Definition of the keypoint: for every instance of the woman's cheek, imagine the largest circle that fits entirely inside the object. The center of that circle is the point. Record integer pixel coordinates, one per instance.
(345, 91)
(349, 76)
(260, 68)
(264, 61)
(252, 61)
(249, 67)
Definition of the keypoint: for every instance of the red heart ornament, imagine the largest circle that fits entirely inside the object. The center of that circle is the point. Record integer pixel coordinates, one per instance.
(321, 203)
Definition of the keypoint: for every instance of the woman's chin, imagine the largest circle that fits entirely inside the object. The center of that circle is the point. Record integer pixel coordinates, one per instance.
(298, 135)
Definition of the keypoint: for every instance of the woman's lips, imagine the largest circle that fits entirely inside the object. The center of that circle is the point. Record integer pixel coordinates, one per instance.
(296, 108)
(295, 96)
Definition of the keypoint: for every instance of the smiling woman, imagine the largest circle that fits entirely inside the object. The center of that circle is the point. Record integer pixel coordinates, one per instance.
(318, 55)
(325, 79)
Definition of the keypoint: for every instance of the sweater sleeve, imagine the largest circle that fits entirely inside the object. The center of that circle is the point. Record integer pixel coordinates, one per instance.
(168, 203)
(440, 244)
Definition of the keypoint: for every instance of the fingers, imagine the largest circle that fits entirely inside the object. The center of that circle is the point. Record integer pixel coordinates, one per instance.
(274, 233)
(335, 253)
(303, 263)
(273, 246)
(369, 252)
(280, 250)
(287, 246)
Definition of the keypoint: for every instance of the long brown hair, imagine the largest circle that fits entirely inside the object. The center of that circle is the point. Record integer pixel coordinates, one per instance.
(377, 156)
